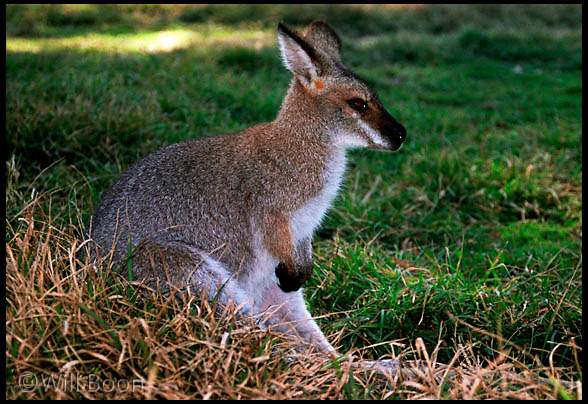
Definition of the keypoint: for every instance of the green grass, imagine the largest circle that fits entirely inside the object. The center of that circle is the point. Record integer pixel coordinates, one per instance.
(470, 234)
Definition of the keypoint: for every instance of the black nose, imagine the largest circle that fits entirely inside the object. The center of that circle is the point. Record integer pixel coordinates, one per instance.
(396, 135)
(401, 132)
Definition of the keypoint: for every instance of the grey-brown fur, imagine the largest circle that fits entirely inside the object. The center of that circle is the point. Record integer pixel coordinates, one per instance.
(240, 209)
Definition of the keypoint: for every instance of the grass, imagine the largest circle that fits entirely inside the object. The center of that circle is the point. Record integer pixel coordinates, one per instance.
(469, 238)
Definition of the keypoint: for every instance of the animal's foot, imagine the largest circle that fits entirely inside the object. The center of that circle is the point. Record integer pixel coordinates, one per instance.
(383, 366)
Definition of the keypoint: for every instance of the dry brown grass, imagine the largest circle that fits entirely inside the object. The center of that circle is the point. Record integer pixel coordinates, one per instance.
(74, 332)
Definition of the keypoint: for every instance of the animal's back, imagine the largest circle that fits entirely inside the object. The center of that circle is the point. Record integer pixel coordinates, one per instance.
(183, 192)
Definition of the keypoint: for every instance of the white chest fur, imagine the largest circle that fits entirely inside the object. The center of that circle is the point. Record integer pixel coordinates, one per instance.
(308, 217)
(302, 224)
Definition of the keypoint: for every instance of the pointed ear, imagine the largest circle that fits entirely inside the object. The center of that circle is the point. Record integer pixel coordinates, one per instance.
(299, 57)
(321, 36)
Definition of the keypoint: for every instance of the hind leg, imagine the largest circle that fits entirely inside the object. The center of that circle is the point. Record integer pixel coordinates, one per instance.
(287, 313)
(167, 266)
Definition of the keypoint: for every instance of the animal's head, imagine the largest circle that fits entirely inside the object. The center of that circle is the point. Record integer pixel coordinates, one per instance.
(354, 113)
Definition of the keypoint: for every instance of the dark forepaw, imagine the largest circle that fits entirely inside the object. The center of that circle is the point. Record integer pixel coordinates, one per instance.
(291, 283)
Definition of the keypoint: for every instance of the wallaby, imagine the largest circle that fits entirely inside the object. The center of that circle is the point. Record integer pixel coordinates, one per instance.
(233, 216)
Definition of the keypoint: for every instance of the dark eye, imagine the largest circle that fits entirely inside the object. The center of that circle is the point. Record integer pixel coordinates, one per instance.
(358, 104)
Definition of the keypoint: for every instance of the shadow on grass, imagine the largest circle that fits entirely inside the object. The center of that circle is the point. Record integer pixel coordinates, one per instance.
(125, 105)
(352, 20)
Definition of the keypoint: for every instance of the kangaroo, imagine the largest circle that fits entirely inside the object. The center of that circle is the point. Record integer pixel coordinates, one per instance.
(233, 216)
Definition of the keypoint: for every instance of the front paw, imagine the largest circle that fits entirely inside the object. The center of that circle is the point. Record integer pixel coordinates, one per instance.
(291, 281)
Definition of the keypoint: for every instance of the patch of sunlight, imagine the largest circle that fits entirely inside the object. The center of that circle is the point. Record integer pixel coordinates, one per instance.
(149, 42)
(145, 42)
(252, 38)
(163, 41)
